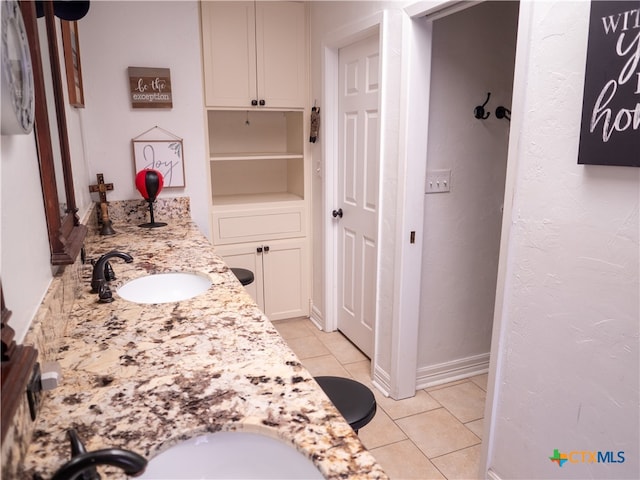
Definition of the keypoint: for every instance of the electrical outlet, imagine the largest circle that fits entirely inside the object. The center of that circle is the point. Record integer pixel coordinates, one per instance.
(438, 181)
(34, 391)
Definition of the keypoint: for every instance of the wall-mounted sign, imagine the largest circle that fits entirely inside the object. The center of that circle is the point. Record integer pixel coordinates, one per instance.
(610, 132)
(150, 87)
(160, 150)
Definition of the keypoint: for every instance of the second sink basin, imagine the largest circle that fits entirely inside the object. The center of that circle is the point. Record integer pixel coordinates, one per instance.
(165, 287)
(231, 455)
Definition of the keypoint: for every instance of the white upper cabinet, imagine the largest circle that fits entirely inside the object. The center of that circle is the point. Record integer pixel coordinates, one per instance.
(254, 54)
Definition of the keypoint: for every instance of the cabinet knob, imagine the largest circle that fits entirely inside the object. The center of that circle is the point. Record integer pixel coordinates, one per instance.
(337, 213)
(254, 102)
(266, 248)
(262, 103)
(259, 249)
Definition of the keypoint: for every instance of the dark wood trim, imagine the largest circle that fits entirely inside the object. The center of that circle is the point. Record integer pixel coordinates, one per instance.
(66, 234)
(72, 63)
(17, 365)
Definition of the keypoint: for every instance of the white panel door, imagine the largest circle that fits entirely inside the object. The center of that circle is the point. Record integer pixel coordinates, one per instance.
(358, 176)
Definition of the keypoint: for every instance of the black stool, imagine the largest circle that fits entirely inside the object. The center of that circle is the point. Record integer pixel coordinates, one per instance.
(353, 400)
(243, 275)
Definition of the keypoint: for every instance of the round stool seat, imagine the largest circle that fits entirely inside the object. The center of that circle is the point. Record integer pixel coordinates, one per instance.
(353, 400)
(243, 275)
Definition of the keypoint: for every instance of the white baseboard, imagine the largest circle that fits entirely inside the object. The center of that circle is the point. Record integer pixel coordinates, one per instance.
(491, 475)
(452, 371)
(381, 380)
(316, 317)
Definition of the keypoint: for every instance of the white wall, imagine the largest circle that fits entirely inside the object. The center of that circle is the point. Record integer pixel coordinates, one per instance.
(462, 227)
(565, 358)
(25, 258)
(165, 34)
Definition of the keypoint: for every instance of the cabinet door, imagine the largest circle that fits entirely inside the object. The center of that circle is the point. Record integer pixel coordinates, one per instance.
(286, 291)
(229, 55)
(281, 46)
(246, 256)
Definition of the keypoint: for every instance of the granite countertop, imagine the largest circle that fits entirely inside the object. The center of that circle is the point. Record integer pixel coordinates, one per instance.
(144, 377)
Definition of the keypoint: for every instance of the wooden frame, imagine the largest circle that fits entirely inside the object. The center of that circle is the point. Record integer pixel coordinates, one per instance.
(66, 233)
(73, 67)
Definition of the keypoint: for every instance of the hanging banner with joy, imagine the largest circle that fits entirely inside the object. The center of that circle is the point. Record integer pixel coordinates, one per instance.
(164, 155)
(610, 131)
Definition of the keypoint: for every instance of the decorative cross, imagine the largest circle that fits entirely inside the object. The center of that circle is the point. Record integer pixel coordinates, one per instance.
(101, 188)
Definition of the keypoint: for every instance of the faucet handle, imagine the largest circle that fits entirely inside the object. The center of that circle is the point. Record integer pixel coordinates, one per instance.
(78, 448)
(104, 292)
(109, 274)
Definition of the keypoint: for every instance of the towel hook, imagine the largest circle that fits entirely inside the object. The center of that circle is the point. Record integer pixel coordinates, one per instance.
(503, 112)
(479, 111)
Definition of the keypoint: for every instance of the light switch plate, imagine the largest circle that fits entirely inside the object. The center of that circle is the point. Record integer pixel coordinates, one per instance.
(438, 181)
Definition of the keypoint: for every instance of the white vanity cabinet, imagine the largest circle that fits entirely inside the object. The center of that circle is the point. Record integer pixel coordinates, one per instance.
(254, 54)
(280, 287)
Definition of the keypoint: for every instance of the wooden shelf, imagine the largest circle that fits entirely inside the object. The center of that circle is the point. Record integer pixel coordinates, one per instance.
(225, 157)
(249, 199)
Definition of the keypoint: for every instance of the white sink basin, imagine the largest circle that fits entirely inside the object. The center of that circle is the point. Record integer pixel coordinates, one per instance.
(231, 455)
(164, 287)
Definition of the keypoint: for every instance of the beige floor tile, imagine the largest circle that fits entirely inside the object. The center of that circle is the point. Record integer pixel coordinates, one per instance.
(307, 347)
(380, 431)
(360, 371)
(325, 365)
(460, 465)
(404, 461)
(342, 348)
(445, 385)
(318, 332)
(477, 427)
(421, 402)
(294, 328)
(481, 381)
(466, 400)
(437, 432)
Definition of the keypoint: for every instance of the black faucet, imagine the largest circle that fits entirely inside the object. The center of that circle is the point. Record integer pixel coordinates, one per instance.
(102, 272)
(82, 465)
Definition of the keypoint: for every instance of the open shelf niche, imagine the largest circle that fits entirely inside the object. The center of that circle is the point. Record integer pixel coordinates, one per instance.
(256, 156)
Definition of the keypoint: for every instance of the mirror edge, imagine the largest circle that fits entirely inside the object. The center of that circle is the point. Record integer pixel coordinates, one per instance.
(66, 234)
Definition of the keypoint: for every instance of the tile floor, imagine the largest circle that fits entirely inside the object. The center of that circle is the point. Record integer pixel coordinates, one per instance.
(434, 435)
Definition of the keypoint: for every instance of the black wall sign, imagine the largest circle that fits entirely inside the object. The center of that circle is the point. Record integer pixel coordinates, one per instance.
(610, 131)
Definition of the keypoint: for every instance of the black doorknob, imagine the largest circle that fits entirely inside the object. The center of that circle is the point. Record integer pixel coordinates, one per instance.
(337, 213)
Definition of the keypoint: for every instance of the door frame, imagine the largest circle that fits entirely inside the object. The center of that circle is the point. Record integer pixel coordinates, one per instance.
(435, 9)
(394, 362)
